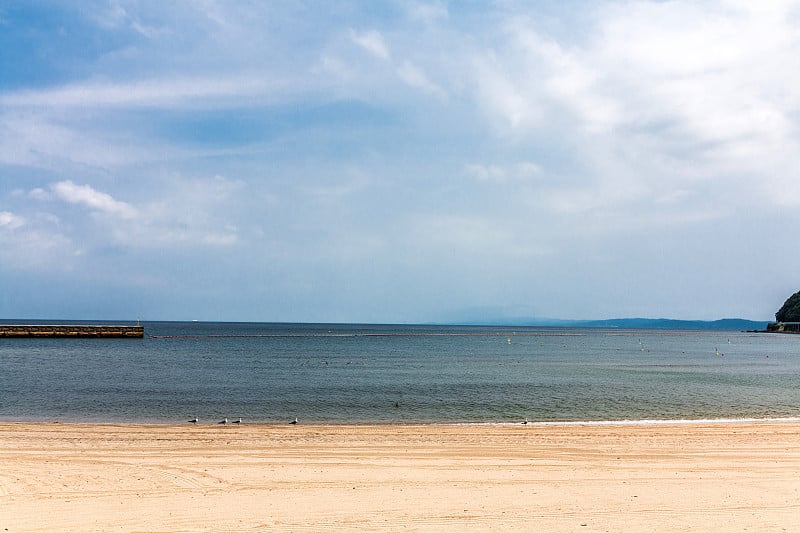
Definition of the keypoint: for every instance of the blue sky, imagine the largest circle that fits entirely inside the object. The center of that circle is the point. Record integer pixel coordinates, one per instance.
(398, 161)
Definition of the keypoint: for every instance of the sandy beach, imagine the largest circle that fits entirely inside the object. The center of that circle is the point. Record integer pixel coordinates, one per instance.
(696, 477)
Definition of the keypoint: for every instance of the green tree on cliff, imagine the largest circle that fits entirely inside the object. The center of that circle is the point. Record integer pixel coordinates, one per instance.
(790, 312)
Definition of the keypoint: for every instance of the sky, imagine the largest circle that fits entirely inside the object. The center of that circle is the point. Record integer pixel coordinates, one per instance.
(398, 161)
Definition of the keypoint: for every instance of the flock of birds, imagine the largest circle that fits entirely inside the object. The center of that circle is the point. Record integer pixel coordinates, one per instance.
(196, 420)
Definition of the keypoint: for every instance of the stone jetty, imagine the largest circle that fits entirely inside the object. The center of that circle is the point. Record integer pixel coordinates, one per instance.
(70, 331)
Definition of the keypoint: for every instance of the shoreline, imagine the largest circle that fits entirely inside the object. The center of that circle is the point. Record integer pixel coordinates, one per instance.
(421, 423)
(182, 477)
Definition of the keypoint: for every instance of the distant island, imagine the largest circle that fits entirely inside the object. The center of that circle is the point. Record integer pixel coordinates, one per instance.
(724, 324)
(727, 324)
(787, 321)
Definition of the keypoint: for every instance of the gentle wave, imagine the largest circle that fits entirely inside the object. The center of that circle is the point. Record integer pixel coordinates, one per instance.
(356, 374)
(657, 422)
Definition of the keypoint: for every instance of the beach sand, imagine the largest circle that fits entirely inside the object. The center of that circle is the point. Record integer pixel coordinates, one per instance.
(682, 477)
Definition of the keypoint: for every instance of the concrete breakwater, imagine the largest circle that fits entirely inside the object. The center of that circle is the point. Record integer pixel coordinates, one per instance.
(82, 331)
(783, 327)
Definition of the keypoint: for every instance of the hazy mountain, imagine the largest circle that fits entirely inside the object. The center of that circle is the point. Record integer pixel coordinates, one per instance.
(728, 324)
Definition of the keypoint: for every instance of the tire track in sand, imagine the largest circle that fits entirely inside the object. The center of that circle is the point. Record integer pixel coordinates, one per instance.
(189, 479)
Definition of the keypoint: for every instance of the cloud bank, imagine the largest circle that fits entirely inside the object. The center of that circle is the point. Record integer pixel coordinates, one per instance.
(402, 163)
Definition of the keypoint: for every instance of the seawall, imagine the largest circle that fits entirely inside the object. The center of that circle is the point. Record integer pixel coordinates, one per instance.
(783, 327)
(71, 331)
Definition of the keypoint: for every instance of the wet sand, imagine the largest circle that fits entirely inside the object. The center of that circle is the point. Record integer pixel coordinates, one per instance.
(686, 477)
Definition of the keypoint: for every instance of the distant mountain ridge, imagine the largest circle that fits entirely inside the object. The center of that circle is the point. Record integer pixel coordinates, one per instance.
(667, 323)
(724, 324)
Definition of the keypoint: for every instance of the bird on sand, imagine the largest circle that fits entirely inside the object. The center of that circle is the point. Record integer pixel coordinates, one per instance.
(193, 420)
(223, 421)
(238, 421)
(294, 421)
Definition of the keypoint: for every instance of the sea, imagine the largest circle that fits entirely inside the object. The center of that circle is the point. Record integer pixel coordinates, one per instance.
(401, 374)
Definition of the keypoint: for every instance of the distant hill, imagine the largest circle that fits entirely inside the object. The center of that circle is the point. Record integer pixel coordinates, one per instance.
(724, 324)
(727, 324)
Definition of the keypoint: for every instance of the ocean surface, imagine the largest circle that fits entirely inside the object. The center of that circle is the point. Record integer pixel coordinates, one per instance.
(336, 373)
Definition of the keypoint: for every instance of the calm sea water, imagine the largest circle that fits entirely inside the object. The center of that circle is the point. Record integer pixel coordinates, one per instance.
(385, 374)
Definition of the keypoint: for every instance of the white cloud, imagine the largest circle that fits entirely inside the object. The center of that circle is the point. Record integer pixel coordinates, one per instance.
(429, 13)
(486, 172)
(414, 77)
(116, 16)
(39, 194)
(371, 41)
(672, 197)
(10, 220)
(34, 244)
(221, 239)
(95, 200)
(577, 129)
(505, 96)
(40, 140)
(553, 74)
(716, 73)
(655, 97)
(461, 233)
(189, 212)
(522, 171)
(156, 92)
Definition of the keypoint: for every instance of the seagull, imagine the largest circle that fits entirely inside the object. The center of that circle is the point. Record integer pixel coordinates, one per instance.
(193, 420)
(294, 421)
(239, 421)
(223, 421)
(525, 421)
